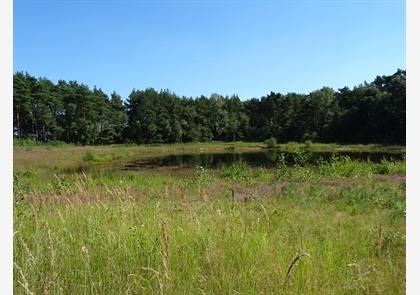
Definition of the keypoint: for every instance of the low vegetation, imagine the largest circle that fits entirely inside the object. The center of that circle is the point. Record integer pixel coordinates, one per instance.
(83, 225)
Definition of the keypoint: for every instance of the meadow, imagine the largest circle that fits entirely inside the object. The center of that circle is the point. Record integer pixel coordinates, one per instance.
(84, 225)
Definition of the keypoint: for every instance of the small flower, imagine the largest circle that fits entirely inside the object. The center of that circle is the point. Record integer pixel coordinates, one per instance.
(85, 250)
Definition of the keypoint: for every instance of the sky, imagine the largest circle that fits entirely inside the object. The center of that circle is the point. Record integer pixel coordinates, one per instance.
(199, 47)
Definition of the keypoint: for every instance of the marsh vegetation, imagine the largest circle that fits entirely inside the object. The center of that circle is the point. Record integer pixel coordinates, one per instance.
(85, 225)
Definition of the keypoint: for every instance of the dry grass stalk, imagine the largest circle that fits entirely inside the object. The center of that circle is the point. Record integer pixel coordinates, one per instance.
(166, 191)
(267, 218)
(51, 246)
(87, 271)
(35, 211)
(157, 275)
(380, 241)
(25, 246)
(24, 284)
(46, 288)
(297, 258)
(165, 251)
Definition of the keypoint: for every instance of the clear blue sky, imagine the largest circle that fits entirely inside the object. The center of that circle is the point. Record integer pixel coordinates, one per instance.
(197, 47)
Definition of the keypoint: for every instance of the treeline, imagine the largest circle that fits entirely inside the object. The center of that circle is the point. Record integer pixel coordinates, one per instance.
(72, 112)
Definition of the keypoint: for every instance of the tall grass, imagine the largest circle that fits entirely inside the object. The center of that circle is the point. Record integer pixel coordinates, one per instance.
(107, 231)
(216, 247)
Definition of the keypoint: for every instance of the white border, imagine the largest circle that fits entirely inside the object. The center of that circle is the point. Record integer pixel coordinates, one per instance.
(6, 149)
(413, 157)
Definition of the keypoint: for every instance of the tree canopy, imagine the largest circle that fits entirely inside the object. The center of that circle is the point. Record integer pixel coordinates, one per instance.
(72, 112)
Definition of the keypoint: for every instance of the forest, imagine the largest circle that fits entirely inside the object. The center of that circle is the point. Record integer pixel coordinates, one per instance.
(72, 112)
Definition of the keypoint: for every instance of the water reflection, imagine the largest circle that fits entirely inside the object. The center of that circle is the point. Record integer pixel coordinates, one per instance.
(265, 158)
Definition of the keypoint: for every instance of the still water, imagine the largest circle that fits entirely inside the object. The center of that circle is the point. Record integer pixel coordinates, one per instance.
(265, 158)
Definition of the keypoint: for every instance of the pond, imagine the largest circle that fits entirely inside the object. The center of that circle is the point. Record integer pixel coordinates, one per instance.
(264, 158)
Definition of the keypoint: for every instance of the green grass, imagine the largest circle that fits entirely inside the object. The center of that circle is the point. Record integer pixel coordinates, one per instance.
(83, 226)
(30, 143)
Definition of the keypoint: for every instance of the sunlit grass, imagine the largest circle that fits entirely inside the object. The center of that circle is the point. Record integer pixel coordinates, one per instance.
(82, 226)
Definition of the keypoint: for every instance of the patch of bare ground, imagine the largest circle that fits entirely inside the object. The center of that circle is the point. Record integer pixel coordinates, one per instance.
(259, 190)
(396, 178)
(81, 194)
(83, 197)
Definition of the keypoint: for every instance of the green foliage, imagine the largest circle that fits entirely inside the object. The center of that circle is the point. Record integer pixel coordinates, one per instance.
(60, 183)
(282, 170)
(92, 157)
(394, 239)
(302, 174)
(338, 166)
(238, 171)
(262, 174)
(69, 112)
(379, 197)
(388, 167)
(29, 143)
(23, 180)
(300, 158)
(344, 166)
(74, 113)
(19, 187)
(270, 143)
(202, 177)
(308, 144)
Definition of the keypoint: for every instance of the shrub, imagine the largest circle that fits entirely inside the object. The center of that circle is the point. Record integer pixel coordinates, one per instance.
(282, 170)
(270, 143)
(237, 171)
(92, 157)
(300, 158)
(60, 183)
(344, 166)
(202, 176)
(390, 167)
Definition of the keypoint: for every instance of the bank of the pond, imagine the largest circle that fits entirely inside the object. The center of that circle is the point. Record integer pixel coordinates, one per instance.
(267, 158)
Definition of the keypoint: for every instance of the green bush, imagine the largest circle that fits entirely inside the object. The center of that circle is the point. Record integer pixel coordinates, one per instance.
(60, 183)
(270, 143)
(389, 167)
(344, 166)
(92, 157)
(237, 171)
(282, 171)
(300, 158)
(202, 176)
